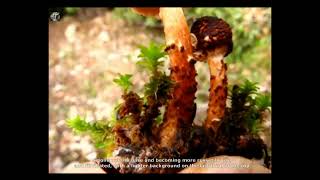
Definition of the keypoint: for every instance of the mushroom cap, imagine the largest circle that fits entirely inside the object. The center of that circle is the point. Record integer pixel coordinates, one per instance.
(154, 12)
(212, 32)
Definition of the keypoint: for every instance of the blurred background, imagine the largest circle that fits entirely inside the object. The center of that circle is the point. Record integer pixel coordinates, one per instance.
(89, 46)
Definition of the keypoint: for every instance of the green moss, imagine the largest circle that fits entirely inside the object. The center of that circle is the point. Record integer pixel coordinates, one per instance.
(124, 82)
(247, 106)
(99, 131)
(150, 57)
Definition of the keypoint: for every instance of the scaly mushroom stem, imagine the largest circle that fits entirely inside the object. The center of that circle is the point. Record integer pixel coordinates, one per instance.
(218, 91)
(181, 109)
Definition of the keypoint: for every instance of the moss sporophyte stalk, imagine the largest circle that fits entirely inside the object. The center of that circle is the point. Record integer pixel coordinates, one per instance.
(138, 130)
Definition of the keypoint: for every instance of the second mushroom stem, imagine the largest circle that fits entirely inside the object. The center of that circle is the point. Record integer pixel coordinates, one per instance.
(218, 93)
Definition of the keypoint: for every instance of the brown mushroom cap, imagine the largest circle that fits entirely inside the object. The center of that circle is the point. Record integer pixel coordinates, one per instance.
(147, 11)
(212, 32)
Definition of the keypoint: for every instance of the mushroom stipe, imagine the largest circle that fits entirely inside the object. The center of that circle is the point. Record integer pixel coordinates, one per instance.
(214, 42)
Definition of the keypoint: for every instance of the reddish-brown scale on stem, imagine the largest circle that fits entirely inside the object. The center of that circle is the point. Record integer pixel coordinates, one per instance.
(168, 48)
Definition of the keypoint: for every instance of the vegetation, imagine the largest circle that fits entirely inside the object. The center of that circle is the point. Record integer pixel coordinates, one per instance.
(99, 131)
(124, 82)
(130, 112)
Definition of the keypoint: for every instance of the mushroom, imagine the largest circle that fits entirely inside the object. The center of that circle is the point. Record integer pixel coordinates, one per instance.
(181, 109)
(213, 42)
(147, 11)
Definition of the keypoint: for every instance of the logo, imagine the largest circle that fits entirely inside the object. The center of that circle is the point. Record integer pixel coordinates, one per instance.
(55, 16)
